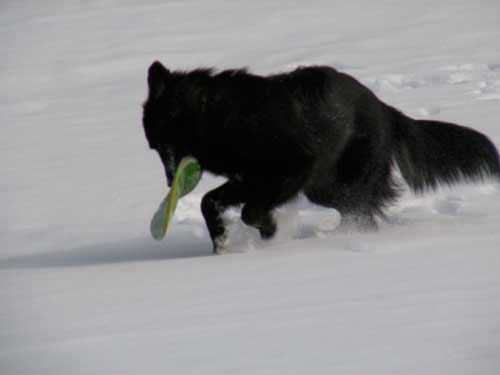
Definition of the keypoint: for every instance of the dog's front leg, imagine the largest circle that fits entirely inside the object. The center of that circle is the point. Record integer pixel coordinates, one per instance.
(259, 217)
(213, 205)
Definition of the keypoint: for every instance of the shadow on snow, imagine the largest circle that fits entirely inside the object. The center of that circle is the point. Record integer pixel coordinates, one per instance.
(135, 250)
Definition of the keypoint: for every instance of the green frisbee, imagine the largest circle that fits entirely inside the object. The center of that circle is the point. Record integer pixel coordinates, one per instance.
(187, 176)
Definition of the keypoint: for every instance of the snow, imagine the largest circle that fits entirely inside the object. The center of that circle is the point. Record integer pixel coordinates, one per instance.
(85, 290)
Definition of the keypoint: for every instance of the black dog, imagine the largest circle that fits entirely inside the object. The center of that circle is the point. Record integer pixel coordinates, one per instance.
(314, 130)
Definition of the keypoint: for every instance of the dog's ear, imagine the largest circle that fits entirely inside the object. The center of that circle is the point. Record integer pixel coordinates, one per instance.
(157, 79)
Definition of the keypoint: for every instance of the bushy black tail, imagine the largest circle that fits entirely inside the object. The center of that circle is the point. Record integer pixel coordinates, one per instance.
(432, 153)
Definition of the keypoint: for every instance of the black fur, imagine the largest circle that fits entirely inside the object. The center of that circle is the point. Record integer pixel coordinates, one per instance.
(314, 130)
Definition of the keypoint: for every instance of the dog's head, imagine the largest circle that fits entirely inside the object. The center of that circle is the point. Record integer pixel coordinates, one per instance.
(160, 118)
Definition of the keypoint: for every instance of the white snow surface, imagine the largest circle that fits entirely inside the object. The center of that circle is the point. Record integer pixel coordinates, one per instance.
(84, 289)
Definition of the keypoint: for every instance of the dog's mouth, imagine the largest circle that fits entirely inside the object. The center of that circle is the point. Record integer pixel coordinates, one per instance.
(168, 161)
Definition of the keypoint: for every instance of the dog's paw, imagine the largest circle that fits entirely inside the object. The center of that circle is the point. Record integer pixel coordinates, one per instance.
(268, 230)
(221, 245)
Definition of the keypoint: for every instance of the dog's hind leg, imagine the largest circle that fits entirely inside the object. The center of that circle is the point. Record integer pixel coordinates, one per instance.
(358, 203)
(356, 211)
(360, 220)
(359, 184)
(213, 205)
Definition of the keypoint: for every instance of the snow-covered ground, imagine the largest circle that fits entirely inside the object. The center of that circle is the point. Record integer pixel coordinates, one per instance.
(85, 290)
